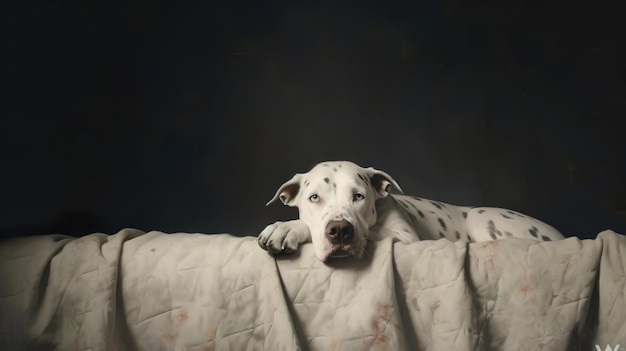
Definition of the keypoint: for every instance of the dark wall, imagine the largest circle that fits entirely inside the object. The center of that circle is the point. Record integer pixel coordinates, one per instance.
(188, 117)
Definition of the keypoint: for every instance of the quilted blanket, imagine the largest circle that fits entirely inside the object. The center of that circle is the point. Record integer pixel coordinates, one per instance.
(156, 291)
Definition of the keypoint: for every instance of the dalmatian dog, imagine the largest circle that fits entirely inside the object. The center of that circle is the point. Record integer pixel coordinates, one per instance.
(342, 205)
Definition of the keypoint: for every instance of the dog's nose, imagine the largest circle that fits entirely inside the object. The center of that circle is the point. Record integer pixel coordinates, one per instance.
(339, 231)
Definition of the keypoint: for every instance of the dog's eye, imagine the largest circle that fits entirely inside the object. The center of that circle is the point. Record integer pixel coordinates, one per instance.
(358, 197)
(314, 198)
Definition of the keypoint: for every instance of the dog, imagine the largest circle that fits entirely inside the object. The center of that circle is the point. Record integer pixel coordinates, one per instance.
(342, 205)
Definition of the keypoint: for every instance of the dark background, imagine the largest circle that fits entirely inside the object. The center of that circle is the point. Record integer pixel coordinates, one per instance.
(187, 117)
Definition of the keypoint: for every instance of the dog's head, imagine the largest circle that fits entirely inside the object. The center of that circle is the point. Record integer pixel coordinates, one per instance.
(337, 202)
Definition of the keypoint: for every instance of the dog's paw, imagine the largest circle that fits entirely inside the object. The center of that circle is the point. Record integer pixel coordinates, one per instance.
(283, 236)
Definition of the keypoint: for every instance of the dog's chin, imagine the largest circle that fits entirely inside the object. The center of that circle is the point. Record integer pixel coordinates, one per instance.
(342, 252)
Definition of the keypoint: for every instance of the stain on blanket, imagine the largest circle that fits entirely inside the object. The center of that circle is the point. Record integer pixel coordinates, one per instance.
(173, 324)
(210, 334)
(379, 326)
(529, 286)
(379, 338)
(491, 257)
(382, 310)
(490, 244)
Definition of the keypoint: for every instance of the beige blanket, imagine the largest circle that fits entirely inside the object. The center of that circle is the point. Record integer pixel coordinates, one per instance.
(156, 291)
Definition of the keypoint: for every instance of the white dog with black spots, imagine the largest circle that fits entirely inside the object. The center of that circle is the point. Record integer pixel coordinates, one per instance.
(342, 206)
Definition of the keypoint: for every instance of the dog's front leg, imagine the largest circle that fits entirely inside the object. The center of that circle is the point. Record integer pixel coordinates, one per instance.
(284, 236)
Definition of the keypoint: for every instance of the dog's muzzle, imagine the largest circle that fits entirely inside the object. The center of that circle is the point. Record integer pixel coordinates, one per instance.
(340, 235)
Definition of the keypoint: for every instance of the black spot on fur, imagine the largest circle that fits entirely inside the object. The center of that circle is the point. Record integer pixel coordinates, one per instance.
(457, 234)
(432, 212)
(508, 235)
(334, 185)
(545, 238)
(436, 204)
(326, 180)
(411, 204)
(325, 165)
(464, 214)
(362, 178)
(373, 211)
(420, 213)
(334, 169)
(515, 213)
(534, 232)
(441, 235)
(449, 217)
(505, 216)
(442, 224)
(339, 165)
(413, 217)
(491, 229)
(481, 211)
(404, 205)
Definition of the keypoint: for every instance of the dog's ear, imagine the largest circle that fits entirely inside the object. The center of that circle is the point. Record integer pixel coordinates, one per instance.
(382, 182)
(288, 192)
